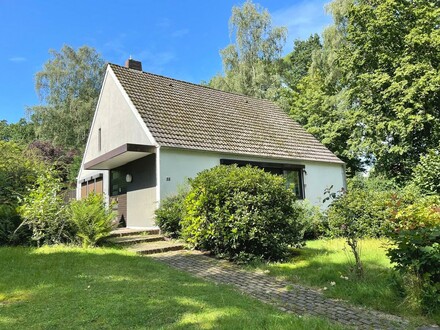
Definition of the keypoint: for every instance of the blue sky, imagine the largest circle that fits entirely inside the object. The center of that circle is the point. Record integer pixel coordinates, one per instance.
(176, 38)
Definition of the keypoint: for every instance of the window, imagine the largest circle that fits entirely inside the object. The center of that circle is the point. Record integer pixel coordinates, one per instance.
(118, 184)
(292, 173)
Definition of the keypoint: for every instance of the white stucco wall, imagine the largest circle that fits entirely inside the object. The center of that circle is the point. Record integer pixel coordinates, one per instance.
(141, 205)
(320, 176)
(178, 165)
(119, 125)
(116, 120)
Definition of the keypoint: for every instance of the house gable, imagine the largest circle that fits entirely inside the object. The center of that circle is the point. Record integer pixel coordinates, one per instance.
(116, 122)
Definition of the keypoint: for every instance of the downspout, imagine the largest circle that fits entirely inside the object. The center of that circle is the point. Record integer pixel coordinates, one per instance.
(157, 177)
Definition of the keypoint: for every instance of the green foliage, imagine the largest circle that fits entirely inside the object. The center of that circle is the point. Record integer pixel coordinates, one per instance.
(320, 102)
(92, 219)
(324, 263)
(391, 53)
(241, 214)
(68, 86)
(314, 220)
(297, 63)
(415, 234)
(22, 132)
(43, 211)
(18, 171)
(363, 210)
(251, 65)
(170, 214)
(9, 222)
(427, 173)
(372, 92)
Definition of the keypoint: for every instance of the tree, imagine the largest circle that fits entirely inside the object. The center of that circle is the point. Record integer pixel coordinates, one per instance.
(60, 159)
(68, 87)
(426, 173)
(373, 93)
(252, 64)
(19, 169)
(319, 100)
(392, 51)
(297, 63)
(22, 132)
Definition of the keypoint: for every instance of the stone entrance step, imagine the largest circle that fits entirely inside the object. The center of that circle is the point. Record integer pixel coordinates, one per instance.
(133, 239)
(143, 241)
(155, 247)
(120, 232)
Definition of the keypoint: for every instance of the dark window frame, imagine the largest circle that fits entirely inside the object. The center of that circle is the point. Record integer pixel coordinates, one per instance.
(274, 166)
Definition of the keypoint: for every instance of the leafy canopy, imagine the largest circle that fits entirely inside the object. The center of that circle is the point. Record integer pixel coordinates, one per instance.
(68, 87)
(251, 65)
(372, 94)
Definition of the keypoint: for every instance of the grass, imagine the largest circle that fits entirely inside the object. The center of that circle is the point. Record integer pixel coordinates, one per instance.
(326, 265)
(104, 288)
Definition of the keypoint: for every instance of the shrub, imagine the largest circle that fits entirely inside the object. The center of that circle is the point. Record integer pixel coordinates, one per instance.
(170, 214)
(426, 173)
(314, 220)
(241, 214)
(9, 223)
(43, 211)
(19, 170)
(363, 208)
(92, 219)
(361, 211)
(416, 250)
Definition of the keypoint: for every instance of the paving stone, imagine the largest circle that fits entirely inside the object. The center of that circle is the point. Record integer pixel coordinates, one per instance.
(297, 299)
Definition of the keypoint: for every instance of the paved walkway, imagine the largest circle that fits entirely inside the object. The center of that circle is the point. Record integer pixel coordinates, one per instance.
(284, 295)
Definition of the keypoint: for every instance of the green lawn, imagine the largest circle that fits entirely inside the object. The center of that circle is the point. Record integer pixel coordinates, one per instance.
(63, 287)
(325, 265)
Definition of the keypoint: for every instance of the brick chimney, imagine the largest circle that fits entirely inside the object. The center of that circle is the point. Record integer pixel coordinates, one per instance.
(132, 64)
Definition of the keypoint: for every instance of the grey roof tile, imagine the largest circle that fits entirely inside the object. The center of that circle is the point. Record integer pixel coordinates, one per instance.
(184, 115)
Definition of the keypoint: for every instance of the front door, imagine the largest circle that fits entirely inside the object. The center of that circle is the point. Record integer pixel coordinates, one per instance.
(120, 208)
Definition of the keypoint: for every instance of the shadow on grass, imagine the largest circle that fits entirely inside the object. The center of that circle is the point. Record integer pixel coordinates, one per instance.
(54, 288)
(330, 270)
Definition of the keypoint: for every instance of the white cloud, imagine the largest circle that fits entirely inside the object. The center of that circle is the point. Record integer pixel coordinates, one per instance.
(302, 19)
(18, 59)
(163, 22)
(180, 33)
(154, 61)
(116, 44)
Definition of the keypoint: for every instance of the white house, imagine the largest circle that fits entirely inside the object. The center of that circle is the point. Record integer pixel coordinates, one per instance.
(150, 133)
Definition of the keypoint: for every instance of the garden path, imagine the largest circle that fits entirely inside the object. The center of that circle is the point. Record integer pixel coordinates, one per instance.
(286, 296)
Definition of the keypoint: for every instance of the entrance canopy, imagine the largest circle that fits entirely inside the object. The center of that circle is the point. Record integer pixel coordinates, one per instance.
(122, 155)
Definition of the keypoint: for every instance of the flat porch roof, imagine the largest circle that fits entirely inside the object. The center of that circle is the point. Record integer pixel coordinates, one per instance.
(122, 155)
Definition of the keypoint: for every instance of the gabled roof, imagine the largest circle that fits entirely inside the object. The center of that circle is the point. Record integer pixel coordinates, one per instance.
(184, 115)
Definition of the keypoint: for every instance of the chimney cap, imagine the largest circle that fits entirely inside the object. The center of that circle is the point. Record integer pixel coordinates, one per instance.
(133, 64)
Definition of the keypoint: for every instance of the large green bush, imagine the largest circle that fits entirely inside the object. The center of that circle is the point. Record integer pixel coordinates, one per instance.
(43, 211)
(92, 219)
(241, 214)
(427, 173)
(415, 232)
(170, 214)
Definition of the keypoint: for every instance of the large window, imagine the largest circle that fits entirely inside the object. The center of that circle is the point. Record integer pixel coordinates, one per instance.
(292, 173)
